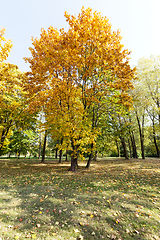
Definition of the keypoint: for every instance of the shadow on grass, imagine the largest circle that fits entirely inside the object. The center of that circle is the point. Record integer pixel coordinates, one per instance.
(112, 200)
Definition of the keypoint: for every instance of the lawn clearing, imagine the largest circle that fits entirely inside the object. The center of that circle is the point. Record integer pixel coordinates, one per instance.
(115, 199)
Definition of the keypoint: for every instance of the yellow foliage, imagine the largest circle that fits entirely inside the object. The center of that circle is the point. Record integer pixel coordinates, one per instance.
(74, 73)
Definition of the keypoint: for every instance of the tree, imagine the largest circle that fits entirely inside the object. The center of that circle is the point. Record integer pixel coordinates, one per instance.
(13, 102)
(23, 142)
(148, 73)
(73, 72)
(147, 102)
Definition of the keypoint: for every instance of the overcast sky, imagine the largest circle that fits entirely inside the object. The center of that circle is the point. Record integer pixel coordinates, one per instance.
(138, 20)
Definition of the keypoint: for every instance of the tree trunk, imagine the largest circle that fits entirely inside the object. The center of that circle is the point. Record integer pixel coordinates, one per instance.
(141, 134)
(66, 157)
(124, 147)
(130, 149)
(60, 156)
(134, 148)
(39, 156)
(60, 152)
(74, 157)
(44, 147)
(56, 153)
(96, 155)
(154, 137)
(73, 163)
(4, 135)
(90, 157)
(118, 150)
(89, 161)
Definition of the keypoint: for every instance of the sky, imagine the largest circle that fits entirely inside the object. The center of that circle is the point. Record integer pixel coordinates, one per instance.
(138, 21)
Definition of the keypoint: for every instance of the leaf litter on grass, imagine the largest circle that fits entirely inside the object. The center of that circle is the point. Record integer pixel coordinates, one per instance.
(115, 199)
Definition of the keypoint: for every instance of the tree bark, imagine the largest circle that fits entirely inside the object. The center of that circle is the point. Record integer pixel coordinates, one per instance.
(118, 150)
(154, 137)
(90, 157)
(4, 134)
(130, 149)
(141, 133)
(124, 147)
(133, 142)
(56, 153)
(39, 155)
(73, 163)
(74, 157)
(66, 157)
(60, 152)
(44, 147)
(134, 148)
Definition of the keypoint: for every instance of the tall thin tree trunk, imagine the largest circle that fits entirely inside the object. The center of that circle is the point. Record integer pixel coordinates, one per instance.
(40, 143)
(60, 156)
(124, 147)
(133, 142)
(141, 133)
(56, 153)
(60, 152)
(96, 155)
(130, 149)
(135, 155)
(66, 157)
(90, 157)
(118, 150)
(44, 147)
(154, 137)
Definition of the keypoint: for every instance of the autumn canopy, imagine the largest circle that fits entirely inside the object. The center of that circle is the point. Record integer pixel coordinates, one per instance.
(74, 75)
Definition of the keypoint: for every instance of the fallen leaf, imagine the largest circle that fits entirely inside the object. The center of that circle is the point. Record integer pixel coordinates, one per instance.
(15, 227)
(80, 237)
(54, 234)
(80, 223)
(34, 236)
(83, 212)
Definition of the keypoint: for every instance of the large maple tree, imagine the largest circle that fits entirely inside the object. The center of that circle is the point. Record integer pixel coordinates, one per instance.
(74, 73)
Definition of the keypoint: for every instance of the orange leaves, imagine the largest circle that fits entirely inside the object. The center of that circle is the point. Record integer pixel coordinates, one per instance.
(73, 72)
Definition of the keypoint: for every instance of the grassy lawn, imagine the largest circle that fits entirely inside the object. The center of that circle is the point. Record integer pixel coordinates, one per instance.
(115, 199)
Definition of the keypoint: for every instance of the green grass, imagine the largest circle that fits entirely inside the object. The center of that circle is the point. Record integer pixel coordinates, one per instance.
(115, 199)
